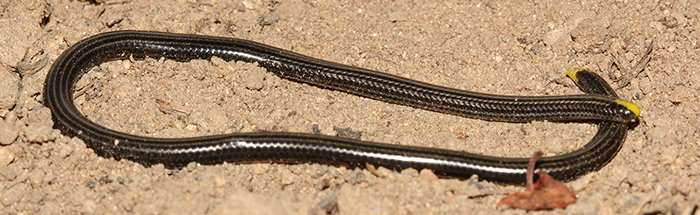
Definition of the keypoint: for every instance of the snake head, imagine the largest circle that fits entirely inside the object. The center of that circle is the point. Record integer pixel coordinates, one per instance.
(630, 112)
(591, 83)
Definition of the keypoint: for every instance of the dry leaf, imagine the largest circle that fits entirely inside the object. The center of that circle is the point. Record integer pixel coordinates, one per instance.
(546, 193)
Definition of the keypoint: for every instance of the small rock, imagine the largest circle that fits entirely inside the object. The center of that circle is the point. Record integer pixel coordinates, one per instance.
(64, 150)
(40, 116)
(526, 39)
(268, 19)
(6, 156)
(669, 21)
(327, 205)
(410, 172)
(217, 61)
(554, 37)
(39, 133)
(428, 175)
(9, 83)
(380, 172)
(8, 133)
(478, 185)
(250, 4)
(315, 129)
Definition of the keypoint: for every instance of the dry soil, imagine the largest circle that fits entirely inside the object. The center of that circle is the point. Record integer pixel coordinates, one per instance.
(501, 47)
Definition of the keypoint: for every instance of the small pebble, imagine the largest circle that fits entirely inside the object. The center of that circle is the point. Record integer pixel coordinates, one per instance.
(250, 4)
(39, 133)
(526, 39)
(8, 133)
(40, 116)
(553, 37)
(669, 21)
(410, 172)
(428, 175)
(268, 19)
(64, 150)
(328, 204)
(315, 129)
(6, 157)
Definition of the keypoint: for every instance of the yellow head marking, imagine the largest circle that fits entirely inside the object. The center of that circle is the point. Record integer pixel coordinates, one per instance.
(630, 106)
(571, 73)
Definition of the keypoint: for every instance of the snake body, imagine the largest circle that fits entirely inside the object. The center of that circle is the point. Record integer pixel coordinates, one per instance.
(599, 106)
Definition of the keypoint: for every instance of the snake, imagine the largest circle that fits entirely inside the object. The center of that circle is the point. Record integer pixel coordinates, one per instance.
(598, 105)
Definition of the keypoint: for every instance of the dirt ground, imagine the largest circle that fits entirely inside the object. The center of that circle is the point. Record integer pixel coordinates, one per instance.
(511, 47)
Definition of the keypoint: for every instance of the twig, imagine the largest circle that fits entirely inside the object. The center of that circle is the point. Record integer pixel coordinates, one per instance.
(530, 174)
(627, 74)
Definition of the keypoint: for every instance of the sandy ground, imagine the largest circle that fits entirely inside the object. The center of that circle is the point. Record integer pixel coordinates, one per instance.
(489, 46)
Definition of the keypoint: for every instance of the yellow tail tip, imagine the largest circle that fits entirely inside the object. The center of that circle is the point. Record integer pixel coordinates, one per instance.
(630, 106)
(571, 73)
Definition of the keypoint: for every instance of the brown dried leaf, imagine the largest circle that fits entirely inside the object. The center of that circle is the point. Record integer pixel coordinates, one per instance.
(548, 193)
(544, 194)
